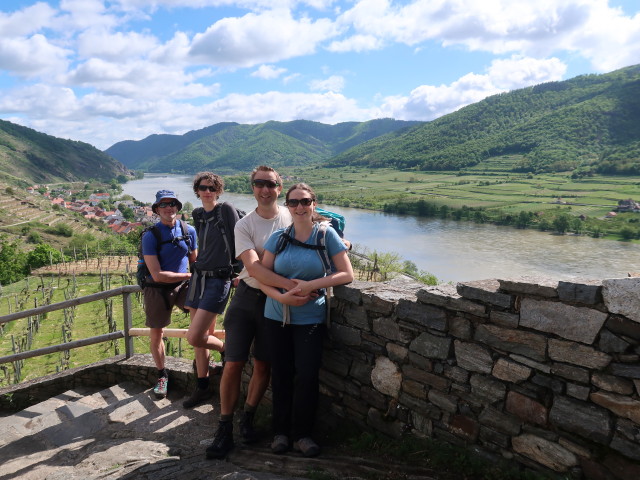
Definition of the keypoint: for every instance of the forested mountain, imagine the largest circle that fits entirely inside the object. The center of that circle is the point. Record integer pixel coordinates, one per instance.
(590, 123)
(28, 156)
(231, 147)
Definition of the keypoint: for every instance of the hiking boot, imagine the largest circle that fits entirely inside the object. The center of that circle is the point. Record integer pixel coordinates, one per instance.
(161, 387)
(222, 441)
(198, 396)
(280, 444)
(247, 432)
(307, 447)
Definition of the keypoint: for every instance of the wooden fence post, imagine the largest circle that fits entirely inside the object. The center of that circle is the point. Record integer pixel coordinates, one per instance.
(127, 314)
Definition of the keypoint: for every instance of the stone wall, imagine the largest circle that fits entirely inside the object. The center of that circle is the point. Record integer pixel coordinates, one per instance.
(542, 372)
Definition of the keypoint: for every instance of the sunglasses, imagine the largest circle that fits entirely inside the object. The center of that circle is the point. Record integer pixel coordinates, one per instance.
(204, 188)
(172, 203)
(294, 202)
(264, 183)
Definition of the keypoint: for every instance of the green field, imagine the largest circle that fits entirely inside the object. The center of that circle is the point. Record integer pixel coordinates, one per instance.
(492, 188)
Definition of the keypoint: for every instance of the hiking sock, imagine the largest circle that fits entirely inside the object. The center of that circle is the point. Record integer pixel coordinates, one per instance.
(162, 372)
(226, 418)
(203, 383)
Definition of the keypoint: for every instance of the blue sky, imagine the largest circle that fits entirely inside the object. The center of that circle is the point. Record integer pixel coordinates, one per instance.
(106, 71)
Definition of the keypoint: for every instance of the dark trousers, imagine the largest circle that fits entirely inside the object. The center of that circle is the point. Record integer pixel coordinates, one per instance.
(296, 355)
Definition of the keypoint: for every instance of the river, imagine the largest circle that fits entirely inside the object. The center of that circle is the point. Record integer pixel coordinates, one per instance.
(451, 250)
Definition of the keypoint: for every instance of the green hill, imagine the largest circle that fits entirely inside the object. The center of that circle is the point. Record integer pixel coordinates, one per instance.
(588, 124)
(231, 147)
(28, 156)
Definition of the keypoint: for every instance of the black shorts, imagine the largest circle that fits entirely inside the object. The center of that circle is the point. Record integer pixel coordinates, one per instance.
(244, 324)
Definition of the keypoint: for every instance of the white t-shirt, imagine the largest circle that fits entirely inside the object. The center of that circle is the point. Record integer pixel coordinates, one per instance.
(252, 232)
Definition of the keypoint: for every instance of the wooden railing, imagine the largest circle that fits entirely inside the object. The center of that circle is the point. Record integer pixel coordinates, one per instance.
(125, 291)
(127, 332)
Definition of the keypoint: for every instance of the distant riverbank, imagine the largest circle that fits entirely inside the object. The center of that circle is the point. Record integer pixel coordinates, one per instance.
(452, 250)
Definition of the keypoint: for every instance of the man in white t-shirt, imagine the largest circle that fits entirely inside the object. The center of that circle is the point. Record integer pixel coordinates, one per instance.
(244, 319)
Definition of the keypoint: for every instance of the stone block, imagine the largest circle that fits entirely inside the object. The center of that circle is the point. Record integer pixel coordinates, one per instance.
(486, 291)
(625, 447)
(577, 354)
(611, 343)
(473, 357)
(621, 405)
(431, 346)
(446, 296)
(612, 383)
(510, 371)
(570, 372)
(396, 352)
(489, 437)
(488, 389)
(586, 420)
(455, 373)
(580, 324)
(361, 372)
(413, 388)
(549, 382)
(530, 285)
(346, 335)
(460, 327)
(622, 468)
(448, 403)
(387, 328)
(500, 421)
(426, 378)
(352, 293)
(524, 343)
(356, 317)
(577, 391)
(625, 370)
(464, 427)
(386, 377)
(623, 326)
(374, 398)
(588, 292)
(544, 452)
(504, 319)
(526, 408)
(531, 363)
(426, 316)
(620, 296)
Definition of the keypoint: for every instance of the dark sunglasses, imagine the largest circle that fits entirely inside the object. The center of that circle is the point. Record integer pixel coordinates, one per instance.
(294, 202)
(204, 188)
(172, 203)
(265, 183)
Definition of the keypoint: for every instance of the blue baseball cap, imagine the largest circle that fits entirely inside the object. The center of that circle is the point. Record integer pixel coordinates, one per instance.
(164, 195)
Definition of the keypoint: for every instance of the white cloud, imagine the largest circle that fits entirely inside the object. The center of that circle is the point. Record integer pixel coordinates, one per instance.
(32, 56)
(335, 83)
(268, 72)
(263, 38)
(27, 21)
(428, 102)
(116, 46)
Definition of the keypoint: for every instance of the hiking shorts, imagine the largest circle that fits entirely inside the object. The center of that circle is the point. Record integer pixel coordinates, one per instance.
(244, 325)
(156, 301)
(214, 296)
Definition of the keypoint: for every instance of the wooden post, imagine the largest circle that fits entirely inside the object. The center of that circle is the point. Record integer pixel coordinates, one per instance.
(126, 309)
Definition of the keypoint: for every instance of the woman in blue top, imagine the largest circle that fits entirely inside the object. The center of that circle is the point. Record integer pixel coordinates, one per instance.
(296, 342)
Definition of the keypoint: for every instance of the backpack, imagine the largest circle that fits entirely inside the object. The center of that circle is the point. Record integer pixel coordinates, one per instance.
(337, 221)
(198, 220)
(142, 272)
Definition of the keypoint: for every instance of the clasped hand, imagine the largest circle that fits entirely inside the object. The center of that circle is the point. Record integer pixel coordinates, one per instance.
(301, 294)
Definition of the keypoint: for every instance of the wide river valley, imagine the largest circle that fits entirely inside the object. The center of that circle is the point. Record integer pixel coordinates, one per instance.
(451, 250)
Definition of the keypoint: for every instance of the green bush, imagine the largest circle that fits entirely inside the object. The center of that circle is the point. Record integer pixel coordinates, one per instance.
(43, 254)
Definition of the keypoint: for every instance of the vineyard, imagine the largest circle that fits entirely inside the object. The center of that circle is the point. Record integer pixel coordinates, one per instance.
(73, 323)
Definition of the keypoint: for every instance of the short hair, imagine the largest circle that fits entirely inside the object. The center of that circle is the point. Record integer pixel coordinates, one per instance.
(264, 168)
(217, 181)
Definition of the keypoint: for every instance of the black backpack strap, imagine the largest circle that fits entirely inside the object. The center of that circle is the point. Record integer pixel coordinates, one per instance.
(222, 225)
